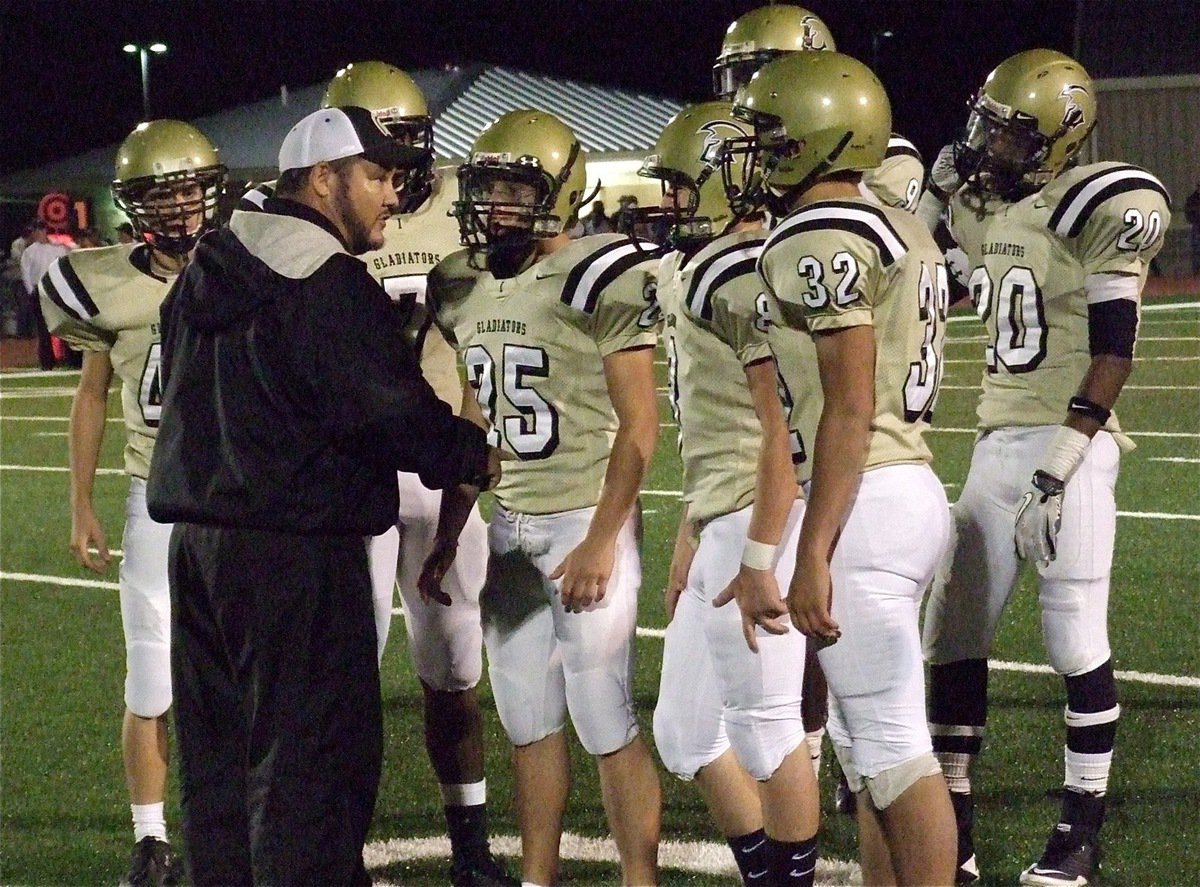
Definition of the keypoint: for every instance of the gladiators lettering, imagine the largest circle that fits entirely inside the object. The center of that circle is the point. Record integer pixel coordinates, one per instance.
(500, 325)
(1004, 249)
(412, 257)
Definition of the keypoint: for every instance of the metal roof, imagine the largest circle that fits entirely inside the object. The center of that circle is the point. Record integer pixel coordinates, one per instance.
(462, 101)
(604, 119)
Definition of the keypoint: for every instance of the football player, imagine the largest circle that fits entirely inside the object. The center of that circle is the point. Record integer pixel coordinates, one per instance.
(558, 340)
(770, 32)
(750, 41)
(445, 638)
(729, 713)
(105, 302)
(869, 285)
(1058, 256)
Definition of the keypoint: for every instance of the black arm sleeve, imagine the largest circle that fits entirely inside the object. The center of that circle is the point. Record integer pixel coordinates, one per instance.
(1112, 328)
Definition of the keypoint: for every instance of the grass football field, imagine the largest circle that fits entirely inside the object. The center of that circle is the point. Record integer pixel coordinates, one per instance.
(64, 816)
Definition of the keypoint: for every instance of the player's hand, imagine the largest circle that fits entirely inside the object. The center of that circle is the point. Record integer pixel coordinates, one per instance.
(943, 179)
(433, 571)
(495, 456)
(584, 573)
(677, 576)
(809, 600)
(757, 596)
(1038, 519)
(86, 533)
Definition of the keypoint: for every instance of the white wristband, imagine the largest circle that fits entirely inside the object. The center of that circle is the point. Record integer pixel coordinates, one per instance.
(758, 555)
(1065, 452)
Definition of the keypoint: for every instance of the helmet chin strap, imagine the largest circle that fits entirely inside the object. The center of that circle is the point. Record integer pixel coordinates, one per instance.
(781, 204)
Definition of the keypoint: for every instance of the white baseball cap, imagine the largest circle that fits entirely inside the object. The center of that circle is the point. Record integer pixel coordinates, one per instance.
(334, 133)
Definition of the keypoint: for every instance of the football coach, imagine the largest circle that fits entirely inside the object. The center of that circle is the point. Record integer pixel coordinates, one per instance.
(290, 400)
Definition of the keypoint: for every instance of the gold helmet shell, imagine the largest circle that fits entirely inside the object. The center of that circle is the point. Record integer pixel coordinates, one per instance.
(400, 107)
(814, 114)
(764, 34)
(168, 179)
(687, 158)
(1027, 123)
(529, 148)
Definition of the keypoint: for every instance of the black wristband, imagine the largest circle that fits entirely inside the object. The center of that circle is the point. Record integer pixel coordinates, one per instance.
(1081, 406)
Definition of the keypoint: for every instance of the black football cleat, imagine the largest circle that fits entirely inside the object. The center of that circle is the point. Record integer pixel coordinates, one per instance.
(152, 864)
(1072, 854)
(480, 870)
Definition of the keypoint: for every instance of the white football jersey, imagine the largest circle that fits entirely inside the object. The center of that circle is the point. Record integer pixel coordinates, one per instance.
(108, 299)
(534, 348)
(835, 264)
(712, 332)
(1029, 263)
(897, 181)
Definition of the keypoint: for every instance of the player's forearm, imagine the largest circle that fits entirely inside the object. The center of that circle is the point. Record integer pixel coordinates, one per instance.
(1101, 385)
(455, 508)
(632, 450)
(775, 488)
(85, 437)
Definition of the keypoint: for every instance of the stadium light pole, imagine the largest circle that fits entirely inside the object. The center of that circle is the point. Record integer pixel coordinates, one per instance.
(877, 38)
(143, 53)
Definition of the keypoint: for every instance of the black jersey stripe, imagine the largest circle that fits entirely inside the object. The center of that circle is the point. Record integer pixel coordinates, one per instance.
(589, 278)
(862, 219)
(898, 146)
(67, 291)
(1075, 209)
(717, 270)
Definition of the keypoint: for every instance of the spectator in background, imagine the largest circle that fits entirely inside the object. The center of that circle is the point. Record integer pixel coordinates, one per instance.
(598, 222)
(16, 319)
(38, 256)
(623, 219)
(1191, 211)
(88, 238)
(125, 233)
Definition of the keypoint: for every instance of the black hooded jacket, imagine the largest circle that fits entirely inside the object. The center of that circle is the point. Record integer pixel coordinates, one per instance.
(290, 397)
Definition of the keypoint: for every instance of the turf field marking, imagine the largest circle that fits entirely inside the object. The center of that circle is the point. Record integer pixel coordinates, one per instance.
(1137, 677)
(1176, 306)
(1156, 359)
(47, 419)
(1134, 434)
(1173, 459)
(701, 857)
(56, 468)
(38, 374)
(60, 580)
(49, 434)
(31, 393)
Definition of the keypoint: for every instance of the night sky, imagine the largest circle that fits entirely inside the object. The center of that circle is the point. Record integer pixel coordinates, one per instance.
(68, 87)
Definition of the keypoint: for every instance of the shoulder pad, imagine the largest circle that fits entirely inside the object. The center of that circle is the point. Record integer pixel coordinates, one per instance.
(1093, 187)
(899, 146)
(589, 277)
(859, 218)
(717, 268)
(254, 198)
(64, 288)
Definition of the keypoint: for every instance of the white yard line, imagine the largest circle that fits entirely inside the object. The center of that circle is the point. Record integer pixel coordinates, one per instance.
(1174, 459)
(56, 469)
(700, 857)
(1137, 676)
(47, 419)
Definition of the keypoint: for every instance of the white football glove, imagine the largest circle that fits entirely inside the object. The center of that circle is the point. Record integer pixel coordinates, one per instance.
(1039, 518)
(943, 179)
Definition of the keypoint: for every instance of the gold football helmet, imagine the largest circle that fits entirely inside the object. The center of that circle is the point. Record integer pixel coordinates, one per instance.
(523, 180)
(814, 114)
(761, 35)
(169, 181)
(400, 107)
(687, 160)
(1027, 123)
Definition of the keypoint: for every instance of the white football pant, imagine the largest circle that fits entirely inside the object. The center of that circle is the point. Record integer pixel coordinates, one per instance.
(145, 607)
(964, 609)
